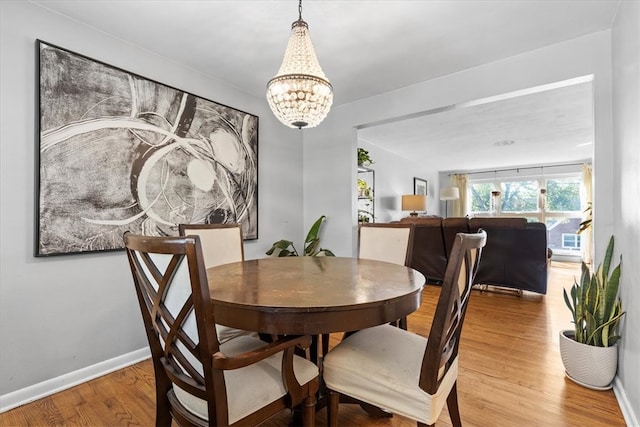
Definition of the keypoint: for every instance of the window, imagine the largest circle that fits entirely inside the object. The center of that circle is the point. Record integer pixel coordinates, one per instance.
(563, 194)
(571, 241)
(519, 196)
(553, 199)
(480, 196)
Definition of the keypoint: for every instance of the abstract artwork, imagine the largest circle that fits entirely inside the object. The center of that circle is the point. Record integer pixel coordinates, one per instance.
(118, 152)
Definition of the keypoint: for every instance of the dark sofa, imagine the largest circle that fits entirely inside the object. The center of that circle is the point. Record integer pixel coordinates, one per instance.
(515, 256)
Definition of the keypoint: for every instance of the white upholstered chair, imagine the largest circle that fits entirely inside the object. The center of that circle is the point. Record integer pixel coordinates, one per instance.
(402, 372)
(221, 244)
(199, 380)
(389, 242)
(386, 242)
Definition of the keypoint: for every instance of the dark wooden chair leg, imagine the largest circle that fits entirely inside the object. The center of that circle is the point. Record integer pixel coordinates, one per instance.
(313, 348)
(374, 411)
(163, 413)
(332, 408)
(402, 323)
(452, 405)
(319, 347)
(163, 416)
(325, 344)
(309, 411)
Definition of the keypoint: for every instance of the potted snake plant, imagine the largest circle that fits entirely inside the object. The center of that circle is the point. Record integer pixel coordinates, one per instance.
(589, 351)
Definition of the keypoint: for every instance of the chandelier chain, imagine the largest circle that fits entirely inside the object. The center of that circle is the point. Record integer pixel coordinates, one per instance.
(300, 10)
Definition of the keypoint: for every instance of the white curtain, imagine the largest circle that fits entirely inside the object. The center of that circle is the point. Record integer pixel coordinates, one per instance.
(459, 207)
(586, 199)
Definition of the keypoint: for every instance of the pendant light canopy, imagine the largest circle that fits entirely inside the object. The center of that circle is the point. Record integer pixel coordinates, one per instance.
(300, 95)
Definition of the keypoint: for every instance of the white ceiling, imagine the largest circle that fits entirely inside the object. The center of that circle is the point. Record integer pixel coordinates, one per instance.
(364, 47)
(549, 125)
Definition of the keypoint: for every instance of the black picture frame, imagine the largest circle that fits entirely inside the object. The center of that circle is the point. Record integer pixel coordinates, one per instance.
(120, 152)
(420, 186)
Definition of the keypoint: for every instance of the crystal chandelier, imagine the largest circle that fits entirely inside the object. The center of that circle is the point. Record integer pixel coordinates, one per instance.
(300, 95)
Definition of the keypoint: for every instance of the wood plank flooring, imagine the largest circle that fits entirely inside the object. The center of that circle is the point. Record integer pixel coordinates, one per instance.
(510, 374)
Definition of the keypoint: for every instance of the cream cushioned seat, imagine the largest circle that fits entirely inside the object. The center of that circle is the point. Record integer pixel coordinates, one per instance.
(381, 366)
(226, 333)
(251, 387)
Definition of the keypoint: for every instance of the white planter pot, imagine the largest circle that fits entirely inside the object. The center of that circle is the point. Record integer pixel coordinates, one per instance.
(587, 365)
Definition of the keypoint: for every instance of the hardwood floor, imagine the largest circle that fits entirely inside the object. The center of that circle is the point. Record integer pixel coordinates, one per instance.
(510, 374)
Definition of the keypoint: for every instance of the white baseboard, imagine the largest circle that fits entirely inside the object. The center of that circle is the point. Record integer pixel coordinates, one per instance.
(54, 385)
(630, 418)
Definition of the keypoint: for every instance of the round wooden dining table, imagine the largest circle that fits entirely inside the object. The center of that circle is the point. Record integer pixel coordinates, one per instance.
(312, 295)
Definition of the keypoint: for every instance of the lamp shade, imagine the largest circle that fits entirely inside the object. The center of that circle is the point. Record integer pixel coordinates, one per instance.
(450, 193)
(414, 202)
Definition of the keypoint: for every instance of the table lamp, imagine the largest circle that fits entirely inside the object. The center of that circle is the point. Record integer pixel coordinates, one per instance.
(414, 202)
(449, 193)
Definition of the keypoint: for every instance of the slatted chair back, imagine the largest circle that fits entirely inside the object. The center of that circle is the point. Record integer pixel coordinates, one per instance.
(446, 328)
(172, 290)
(221, 243)
(386, 242)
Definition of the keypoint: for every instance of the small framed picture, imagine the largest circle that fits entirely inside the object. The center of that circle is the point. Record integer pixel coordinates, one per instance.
(420, 186)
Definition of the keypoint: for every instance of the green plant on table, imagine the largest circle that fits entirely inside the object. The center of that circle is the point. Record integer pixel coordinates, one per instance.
(594, 303)
(283, 248)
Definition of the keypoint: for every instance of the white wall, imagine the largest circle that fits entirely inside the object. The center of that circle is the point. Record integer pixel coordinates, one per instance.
(626, 188)
(333, 144)
(64, 313)
(394, 177)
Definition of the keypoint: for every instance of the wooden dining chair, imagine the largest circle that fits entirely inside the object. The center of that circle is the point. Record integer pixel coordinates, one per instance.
(221, 244)
(402, 372)
(389, 242)
(200, 381)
